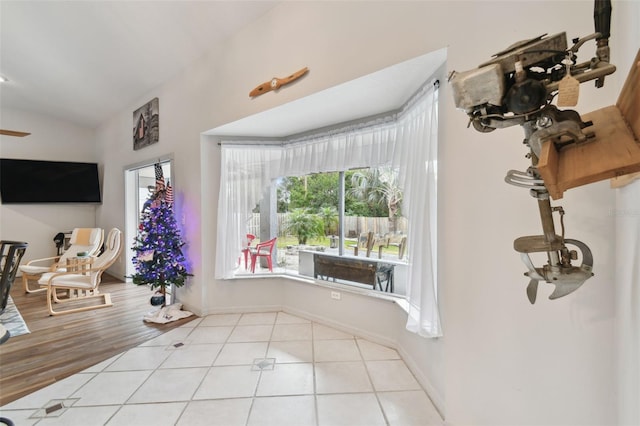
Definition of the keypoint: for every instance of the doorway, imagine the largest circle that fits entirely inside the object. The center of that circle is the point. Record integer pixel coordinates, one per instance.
(140, 181)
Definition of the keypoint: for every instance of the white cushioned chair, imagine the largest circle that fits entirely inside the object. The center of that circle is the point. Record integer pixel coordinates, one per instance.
(85, 281)
(87, 240)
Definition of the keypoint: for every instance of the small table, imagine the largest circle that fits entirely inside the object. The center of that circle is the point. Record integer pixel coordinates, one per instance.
(80, 264)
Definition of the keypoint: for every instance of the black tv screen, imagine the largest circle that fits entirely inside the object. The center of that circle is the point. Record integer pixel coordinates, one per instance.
(35, 181)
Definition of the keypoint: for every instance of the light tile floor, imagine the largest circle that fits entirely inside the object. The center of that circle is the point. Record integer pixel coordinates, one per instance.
(238, 369)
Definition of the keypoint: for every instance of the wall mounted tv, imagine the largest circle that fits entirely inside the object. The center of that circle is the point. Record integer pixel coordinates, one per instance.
(35, 181)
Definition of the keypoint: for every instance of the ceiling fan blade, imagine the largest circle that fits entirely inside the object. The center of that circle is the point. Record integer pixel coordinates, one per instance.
(13, 133)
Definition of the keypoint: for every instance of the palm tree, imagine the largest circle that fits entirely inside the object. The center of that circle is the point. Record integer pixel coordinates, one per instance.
(329, 215)
(379, 186)
(305, 225)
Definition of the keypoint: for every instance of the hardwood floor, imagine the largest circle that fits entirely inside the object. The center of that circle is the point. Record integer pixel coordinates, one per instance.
(60, 346)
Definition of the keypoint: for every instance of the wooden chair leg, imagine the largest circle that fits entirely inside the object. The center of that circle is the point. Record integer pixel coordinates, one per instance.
(51, 295)
(25, 282)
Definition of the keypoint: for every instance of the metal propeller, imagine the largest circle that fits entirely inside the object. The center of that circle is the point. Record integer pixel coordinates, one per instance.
(566, 278)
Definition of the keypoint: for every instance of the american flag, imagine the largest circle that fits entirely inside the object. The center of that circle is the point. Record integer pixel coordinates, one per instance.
(159, 178)
(168, 195)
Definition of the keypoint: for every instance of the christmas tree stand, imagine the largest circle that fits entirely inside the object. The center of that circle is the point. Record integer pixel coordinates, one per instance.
(159, 298)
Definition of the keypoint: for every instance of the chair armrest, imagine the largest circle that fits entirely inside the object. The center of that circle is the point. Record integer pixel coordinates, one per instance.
(54, 258)
(262, 251)
(79, 273)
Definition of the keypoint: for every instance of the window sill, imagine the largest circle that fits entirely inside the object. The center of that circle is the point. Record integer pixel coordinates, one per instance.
(399, 300)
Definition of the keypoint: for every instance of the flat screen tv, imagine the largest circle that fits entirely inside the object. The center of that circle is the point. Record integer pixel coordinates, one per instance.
(36, 181)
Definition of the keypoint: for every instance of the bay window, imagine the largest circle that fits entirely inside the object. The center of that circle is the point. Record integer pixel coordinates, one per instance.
(399, 148)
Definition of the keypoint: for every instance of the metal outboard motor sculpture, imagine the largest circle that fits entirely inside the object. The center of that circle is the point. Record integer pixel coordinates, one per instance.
(517, 87)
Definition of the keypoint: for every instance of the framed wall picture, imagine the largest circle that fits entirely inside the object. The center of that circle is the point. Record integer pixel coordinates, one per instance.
(145, 125)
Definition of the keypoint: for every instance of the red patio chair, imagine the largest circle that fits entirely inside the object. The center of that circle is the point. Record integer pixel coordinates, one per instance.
(245, 250)
(262, 250)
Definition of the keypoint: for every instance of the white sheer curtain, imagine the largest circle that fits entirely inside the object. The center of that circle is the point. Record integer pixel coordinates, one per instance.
(416, 156)
(366, 145)
(407, 140)
(245, 172)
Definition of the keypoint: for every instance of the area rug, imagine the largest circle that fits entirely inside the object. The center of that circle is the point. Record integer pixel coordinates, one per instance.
(12, 320)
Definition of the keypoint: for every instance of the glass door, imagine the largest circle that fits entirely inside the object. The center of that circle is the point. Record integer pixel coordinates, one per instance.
(140, 183)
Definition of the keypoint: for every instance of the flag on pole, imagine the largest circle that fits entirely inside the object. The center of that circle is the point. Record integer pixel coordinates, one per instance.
(159, 178)
(168, 195)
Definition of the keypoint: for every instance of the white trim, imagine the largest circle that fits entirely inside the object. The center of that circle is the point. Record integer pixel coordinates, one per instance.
(436, 398)
(151, 162)
(245, 309)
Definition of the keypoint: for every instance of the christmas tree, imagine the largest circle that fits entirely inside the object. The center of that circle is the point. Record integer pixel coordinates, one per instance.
(158, 258)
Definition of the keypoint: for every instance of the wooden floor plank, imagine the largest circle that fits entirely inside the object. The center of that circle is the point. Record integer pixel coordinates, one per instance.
(61, 346)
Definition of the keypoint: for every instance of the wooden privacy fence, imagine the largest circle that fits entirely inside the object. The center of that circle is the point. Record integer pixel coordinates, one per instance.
(356, 225)
(353, 225)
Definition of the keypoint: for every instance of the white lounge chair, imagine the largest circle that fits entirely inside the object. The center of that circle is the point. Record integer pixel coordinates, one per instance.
(87, 240)
(85, 281)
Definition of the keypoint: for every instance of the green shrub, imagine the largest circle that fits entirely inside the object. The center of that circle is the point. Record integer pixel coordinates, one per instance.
(305, 225)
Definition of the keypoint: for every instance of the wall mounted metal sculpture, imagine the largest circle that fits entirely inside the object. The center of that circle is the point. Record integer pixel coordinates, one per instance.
(517, 87)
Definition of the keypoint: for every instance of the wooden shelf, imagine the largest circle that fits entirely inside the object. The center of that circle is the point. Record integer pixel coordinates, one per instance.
(613, 152)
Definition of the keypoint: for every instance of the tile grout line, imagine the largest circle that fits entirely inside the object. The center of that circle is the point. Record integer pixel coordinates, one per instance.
(315, 381)
(203, 376)
(158, 367)
(255, 389)
(208, 370)
(96, 375)
(373, 387)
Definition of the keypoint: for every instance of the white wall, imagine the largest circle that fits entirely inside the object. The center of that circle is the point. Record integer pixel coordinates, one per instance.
(185, 111)
(627, 216)
(501, 360)
(50, 140)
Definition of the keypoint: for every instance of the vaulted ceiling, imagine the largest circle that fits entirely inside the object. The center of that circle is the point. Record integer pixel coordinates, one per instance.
(83, 61)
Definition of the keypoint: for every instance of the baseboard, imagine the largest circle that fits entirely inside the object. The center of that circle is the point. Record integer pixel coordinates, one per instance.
(435, 396)
(376, 338)
(243, 309)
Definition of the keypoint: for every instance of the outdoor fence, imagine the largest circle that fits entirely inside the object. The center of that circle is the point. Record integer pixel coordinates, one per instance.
(353, 225)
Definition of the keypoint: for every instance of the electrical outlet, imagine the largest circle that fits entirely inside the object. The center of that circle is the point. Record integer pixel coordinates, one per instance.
(335, 295)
